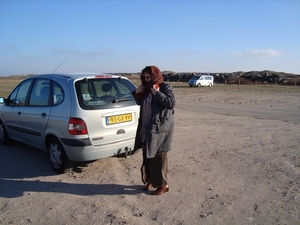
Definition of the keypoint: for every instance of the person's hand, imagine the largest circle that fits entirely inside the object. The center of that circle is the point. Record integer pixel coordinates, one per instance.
(140, 89)
(155, 89)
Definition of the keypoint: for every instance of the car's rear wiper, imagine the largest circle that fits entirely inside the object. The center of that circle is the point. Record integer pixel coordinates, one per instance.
(121, 100)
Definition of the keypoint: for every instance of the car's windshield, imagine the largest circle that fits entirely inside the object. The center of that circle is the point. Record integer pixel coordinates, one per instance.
(104, 93)
(195, 77)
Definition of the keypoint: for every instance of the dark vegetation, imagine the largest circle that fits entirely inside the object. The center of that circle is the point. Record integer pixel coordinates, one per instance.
(241, 78)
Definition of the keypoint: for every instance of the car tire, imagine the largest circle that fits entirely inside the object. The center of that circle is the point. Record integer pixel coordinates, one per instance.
(209, 85)
(199, 85)
(57, 157)
(4, 138)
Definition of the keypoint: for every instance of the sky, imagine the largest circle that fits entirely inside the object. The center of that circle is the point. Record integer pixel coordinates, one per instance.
(124, 36)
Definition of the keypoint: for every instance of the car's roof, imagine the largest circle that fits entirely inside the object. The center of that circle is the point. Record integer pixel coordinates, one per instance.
(77, 75)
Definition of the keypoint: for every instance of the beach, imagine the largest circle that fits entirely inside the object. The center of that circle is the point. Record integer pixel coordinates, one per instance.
(235, 160)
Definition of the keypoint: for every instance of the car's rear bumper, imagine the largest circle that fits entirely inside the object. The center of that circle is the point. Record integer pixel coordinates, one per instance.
(91, 152)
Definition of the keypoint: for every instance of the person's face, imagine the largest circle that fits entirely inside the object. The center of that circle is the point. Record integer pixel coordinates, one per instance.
(148, 77)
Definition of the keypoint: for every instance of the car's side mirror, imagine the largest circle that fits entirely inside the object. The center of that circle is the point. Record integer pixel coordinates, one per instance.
(2, 100)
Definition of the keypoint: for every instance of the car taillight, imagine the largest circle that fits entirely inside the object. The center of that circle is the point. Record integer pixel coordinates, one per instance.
(77, 126)
(103, 76)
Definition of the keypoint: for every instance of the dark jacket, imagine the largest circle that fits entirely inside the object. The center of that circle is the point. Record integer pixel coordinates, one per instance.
(160, 129)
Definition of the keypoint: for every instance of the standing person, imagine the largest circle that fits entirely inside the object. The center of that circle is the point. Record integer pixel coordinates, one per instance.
(155, 129)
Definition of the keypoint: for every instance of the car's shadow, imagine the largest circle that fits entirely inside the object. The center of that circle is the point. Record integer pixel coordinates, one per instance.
(20, 161)
(10, 188)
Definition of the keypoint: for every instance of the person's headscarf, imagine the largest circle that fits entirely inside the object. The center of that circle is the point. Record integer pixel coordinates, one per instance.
(156, 75)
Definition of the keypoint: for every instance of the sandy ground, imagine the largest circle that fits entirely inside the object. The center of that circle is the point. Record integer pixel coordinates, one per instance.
(235, 160)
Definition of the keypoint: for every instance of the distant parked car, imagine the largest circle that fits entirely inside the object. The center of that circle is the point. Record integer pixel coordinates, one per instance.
(75, 118)
(201, 80)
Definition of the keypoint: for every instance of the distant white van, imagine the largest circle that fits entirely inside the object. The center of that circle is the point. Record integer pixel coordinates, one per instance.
(201, 80)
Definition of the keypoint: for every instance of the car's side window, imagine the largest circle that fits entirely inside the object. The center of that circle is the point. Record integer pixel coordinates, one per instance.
(40, 95)
(58, 93)
(13, 96)
(18, 96)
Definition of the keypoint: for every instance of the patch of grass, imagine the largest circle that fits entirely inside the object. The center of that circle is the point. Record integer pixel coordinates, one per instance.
(7, 84)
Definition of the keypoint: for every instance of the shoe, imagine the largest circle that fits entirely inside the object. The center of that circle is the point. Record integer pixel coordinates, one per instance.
(161, 190)
(147, 187)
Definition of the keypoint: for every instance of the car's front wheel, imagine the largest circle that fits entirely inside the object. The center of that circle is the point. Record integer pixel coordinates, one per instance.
(4, 138)
(57, 156)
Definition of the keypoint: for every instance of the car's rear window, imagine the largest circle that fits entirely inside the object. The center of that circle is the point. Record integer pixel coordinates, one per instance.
(100, 93)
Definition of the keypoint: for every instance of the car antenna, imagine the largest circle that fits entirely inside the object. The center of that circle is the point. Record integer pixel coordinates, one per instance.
(59, 65)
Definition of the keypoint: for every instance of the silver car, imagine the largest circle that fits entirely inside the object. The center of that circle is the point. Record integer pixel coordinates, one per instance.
(75, 118)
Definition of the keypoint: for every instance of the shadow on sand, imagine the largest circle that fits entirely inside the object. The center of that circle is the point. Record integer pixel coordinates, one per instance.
(19, 161)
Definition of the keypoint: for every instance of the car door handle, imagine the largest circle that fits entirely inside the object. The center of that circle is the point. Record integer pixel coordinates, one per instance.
(43, 115)
(19, 113)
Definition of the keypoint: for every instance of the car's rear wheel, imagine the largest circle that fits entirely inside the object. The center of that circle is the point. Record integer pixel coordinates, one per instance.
(4, 138)
(57, 156)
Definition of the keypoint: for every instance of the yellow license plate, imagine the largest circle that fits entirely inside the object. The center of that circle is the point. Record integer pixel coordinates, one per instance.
(118, 119)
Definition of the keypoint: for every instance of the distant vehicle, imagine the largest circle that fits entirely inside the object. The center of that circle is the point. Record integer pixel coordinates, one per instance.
(75, 118)
(201, 80)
